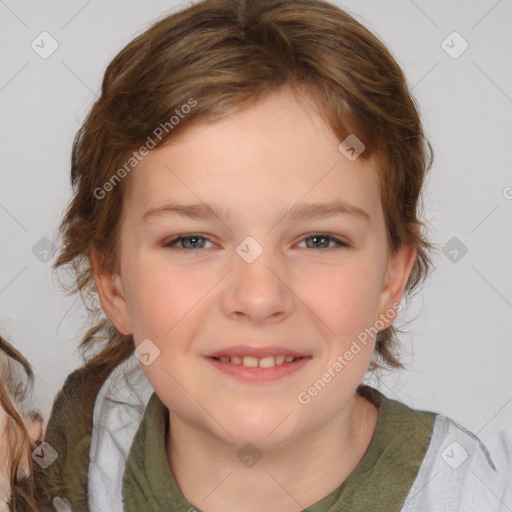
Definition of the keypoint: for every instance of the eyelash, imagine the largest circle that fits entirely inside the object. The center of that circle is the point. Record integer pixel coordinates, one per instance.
(172, 243)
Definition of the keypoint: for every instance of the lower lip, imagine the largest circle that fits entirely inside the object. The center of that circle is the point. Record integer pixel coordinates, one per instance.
(258, 374)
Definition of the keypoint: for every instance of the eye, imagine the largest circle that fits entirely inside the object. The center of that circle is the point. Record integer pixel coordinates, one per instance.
(322, 240)
(192, 241)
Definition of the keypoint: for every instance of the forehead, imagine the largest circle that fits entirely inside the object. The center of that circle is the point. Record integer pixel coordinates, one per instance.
(272, 154)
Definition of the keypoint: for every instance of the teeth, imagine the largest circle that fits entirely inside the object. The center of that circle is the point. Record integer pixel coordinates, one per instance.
(267, 362)
(253, 362)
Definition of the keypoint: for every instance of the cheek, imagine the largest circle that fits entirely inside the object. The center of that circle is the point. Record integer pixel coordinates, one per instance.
(345, 298)
(165, 307)
(160, 297)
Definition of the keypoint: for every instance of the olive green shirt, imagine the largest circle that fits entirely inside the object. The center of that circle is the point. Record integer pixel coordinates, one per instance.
(380, 482)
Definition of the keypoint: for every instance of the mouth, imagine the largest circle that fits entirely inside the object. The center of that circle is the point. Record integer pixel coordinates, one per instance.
(265, 369)
(258, 362)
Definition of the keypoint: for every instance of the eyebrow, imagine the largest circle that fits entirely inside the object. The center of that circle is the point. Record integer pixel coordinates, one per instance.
(301, 211)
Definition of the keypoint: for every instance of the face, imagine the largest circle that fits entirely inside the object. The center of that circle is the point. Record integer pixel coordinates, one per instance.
(258, 277)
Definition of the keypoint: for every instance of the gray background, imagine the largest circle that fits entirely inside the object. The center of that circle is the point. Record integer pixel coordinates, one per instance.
(458, 350)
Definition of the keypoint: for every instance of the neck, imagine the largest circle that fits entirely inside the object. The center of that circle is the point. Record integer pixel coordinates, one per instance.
(211, 476)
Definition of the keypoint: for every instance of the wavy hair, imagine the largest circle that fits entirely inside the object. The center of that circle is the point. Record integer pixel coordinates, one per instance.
(16, 383)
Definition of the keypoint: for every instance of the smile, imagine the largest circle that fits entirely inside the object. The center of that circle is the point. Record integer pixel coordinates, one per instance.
(254, 369)
(253, 362)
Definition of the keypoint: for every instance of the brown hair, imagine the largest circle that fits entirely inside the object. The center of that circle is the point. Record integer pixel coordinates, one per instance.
(221, 56)
(16, 382)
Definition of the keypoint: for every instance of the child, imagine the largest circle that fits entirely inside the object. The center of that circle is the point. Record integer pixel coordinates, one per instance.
(21, 429)
(246, 208)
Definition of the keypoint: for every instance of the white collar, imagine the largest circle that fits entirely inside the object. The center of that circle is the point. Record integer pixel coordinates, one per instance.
(118, 412)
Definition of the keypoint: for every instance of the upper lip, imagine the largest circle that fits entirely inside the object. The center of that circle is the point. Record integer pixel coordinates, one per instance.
(259, 352)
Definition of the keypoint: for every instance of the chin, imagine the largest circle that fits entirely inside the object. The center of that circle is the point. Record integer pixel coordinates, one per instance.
(264, 427)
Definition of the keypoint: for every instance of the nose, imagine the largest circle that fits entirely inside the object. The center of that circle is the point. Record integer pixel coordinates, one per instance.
(258, 291)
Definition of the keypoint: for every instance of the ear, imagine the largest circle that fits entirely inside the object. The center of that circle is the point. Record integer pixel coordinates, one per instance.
(399, 268)
(111, 294)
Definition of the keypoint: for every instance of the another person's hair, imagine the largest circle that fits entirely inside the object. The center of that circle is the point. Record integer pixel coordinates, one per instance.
(221, 56)
(16, 418)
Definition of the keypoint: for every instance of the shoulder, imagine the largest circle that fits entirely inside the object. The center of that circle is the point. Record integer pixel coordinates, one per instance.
(75, 401)
(68, 436)
(459, 472)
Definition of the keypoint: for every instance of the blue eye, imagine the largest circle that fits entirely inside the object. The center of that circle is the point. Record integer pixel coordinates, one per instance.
(193, 241)
(321, 236)
(181, 238)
